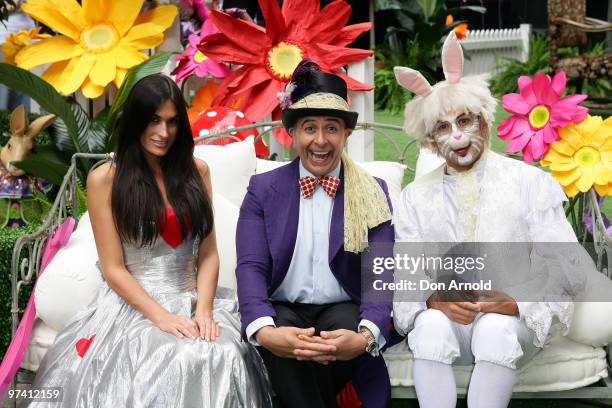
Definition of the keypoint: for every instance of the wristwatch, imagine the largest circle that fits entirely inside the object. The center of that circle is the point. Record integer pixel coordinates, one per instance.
(372, 345)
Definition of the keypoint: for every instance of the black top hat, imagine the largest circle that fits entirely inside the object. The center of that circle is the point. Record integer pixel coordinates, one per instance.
(312, 92)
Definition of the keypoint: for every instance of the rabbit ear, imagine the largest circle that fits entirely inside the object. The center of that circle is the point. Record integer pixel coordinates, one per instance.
(452, 59)
(412, 80)
(19, 120)
(39, 124)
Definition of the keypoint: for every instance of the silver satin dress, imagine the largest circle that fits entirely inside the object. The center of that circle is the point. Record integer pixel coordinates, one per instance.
(132, 363)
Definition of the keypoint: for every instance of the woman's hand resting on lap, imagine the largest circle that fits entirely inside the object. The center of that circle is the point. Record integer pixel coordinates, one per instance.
(207, 326)
(180, 326)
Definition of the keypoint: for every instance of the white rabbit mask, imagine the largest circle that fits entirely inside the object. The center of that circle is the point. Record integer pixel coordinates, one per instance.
(449, 101)
(460, 139)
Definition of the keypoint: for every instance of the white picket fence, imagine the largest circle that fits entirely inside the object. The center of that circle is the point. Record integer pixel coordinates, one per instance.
(487, 48)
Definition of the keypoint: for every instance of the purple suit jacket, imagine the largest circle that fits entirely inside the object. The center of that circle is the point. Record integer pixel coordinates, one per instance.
(265, 240)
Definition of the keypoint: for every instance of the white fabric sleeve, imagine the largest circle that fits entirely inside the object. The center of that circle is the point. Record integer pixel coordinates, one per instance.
(257, 324)
(545, 214)
(546, 319)
(380, 339)
(407, 229)
(404, 314)
(405, 220)
(547, 223)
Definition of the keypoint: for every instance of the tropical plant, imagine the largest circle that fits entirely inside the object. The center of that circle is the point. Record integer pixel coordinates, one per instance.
(414, 42)
(425, 17)
(74, 131)
(538, 61)
(391, 96)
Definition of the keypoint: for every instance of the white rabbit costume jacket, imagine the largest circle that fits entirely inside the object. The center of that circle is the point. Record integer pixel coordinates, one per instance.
(517, 203)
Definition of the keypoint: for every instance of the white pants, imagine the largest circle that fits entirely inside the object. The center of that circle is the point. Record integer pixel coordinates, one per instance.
(492, 337)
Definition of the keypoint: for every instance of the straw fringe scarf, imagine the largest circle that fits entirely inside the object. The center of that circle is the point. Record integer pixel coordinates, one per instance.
(365, 205)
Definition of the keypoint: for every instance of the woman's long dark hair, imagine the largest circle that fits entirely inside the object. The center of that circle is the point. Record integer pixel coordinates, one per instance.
(136, 201)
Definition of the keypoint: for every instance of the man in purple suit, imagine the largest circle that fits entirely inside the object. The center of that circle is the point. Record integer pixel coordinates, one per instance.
(300, 233)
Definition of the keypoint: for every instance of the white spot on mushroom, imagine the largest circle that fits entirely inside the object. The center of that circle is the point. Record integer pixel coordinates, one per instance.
(232, 127)
(240, 114)
(204, 132)
(211, 114)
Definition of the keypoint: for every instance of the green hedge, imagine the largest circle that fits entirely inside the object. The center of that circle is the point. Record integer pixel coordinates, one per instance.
(8, 237)
(5, 128)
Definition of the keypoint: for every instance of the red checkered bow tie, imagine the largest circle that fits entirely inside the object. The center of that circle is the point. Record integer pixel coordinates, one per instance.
(329, 183)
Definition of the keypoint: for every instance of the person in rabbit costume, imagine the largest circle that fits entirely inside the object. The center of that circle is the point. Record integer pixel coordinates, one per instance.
(475, 195)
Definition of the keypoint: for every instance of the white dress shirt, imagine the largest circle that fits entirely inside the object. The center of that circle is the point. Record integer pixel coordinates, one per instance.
(309, 278)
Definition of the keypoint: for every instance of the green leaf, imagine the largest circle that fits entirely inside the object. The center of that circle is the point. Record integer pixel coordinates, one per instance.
(92, 136)
(477, 9)
(153, 65)
(429, 7)
(42, 92)
(46, 162)
(405, 20)
(387, 5)
(412, 8)
(102, 116)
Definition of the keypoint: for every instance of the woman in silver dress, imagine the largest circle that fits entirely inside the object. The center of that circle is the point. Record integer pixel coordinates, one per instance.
(160, 333)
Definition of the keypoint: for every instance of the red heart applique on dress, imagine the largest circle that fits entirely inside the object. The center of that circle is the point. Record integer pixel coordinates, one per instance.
(171, 229)
(82, 345)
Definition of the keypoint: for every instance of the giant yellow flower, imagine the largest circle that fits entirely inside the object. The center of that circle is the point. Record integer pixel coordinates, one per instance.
(582, 158)
(97, 42)
(18, 40)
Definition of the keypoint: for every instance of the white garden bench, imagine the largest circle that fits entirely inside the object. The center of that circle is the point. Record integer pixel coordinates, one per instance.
(569, 368)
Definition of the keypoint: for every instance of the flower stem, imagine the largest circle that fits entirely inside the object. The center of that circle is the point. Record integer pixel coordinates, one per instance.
(582, 229)
(570, 207)
(574, 222)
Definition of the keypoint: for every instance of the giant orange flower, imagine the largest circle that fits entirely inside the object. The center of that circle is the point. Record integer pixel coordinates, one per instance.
(269, 56)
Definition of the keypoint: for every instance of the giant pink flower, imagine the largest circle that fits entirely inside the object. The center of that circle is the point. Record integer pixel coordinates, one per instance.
(193, 61)
(538, 111)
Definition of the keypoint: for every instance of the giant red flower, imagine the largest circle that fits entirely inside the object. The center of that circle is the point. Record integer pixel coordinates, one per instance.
(269, 56)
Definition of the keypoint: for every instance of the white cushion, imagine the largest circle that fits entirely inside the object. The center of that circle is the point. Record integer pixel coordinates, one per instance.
(71, 280)
(43, 337)
(563, 365)
(231, 167)
(226, 218)
(426, 162)
(391, 172)
(263, 166)
(592, 323)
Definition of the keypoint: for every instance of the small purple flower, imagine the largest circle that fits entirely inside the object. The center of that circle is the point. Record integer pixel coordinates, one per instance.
(587, 218)
(193, 61)
(194, 14)
(284, 97)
